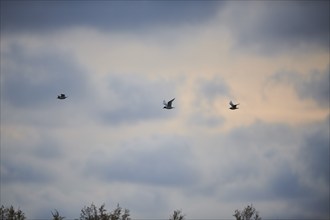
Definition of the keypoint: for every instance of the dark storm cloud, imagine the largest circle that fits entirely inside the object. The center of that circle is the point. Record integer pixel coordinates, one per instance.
(136, 98)
(33, 80)
(262, 147)
(154, 162)
(315, 86)
(245, 155)
(314, 159)
(266, 162)
(23, 172)
(271, 26)
(29, 158)
(315, 150)
(257, 136)
(284, 184)
(108, 15)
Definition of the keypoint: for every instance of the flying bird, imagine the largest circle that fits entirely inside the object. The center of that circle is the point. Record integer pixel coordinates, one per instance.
(62, 96)
(233, 106)
(168, 105)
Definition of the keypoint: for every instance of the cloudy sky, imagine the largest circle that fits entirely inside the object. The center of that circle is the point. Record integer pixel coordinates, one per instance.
(112, 142)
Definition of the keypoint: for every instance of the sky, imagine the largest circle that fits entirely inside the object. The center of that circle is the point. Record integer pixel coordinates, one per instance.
(112, 142)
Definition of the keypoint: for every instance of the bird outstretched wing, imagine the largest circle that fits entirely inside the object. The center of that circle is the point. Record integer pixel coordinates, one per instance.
(170, 102)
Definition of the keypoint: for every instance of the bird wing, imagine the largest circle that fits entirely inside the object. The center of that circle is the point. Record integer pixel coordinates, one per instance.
(231, 103)
(170, 102)
(164, 102)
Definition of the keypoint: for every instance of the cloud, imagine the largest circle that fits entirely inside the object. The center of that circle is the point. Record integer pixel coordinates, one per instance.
(314, 173)
(314, 152)
(48, 149)
(208, 93)
(285, 184)
(161, 161)
(272, 27)
(111, 141)
(23, 172)
(135, 98)
(110, 16)
(32, 80)
(212, 88)
(206, 120)
(36, 154)
(32, 77)
(267, 162)
(314, 86)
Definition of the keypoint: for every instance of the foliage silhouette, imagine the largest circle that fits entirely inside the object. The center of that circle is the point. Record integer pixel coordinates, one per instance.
(177, 215)
(11, 214)
(56, 216)
(249, 213)
(94, 213)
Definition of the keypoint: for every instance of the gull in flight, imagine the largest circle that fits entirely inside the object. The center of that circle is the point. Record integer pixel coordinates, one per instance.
(62, 96)
(168, 105)
(233, 106)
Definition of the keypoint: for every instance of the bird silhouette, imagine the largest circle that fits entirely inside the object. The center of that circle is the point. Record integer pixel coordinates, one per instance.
(168, 105)
(233, 106)
(62, 96)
